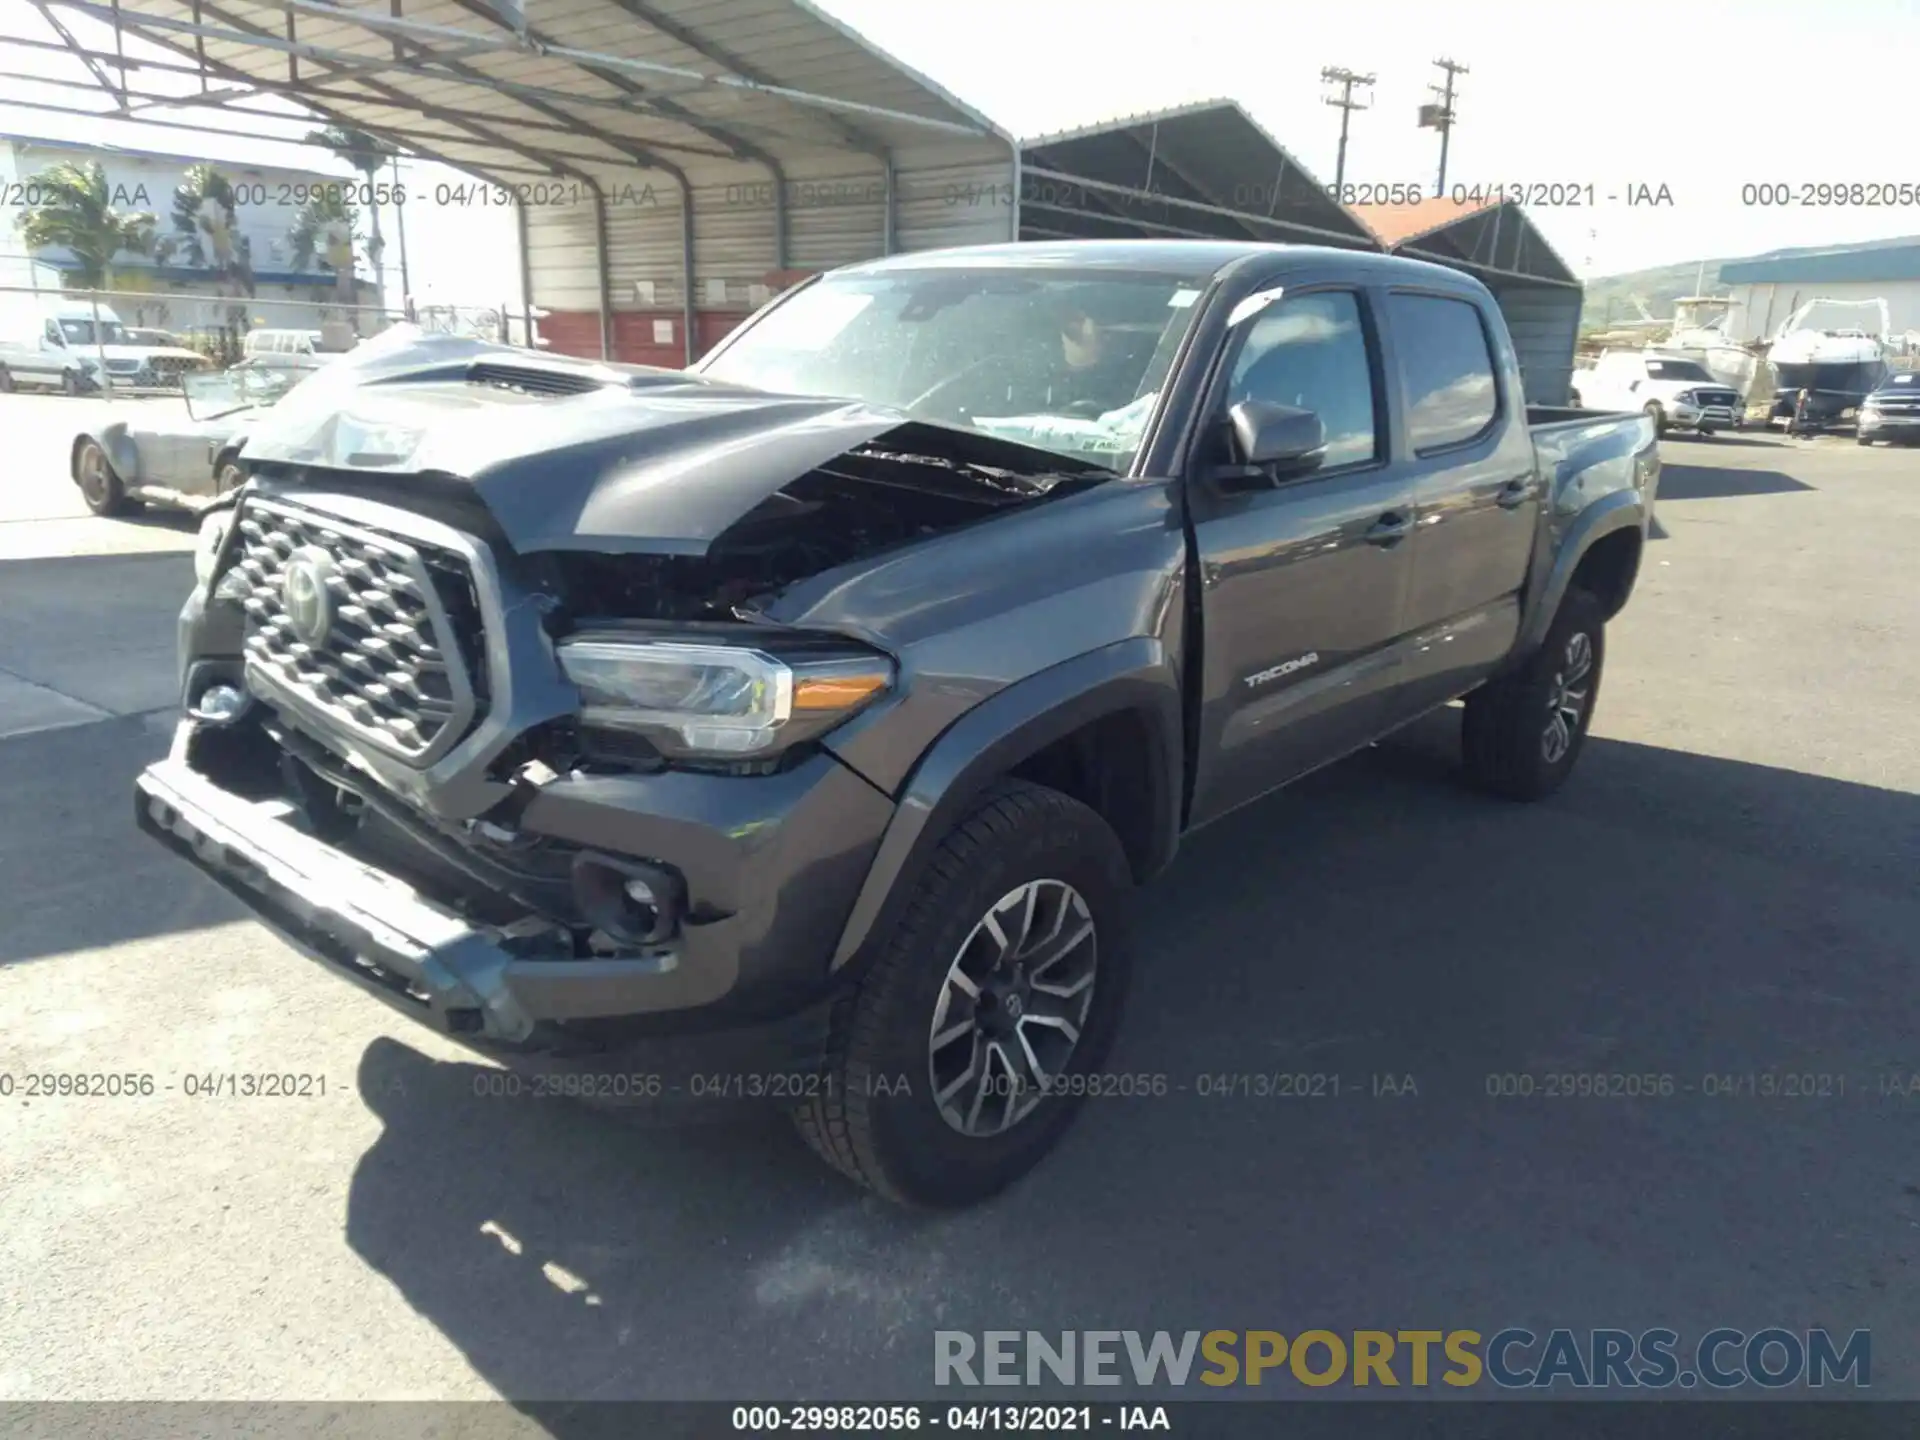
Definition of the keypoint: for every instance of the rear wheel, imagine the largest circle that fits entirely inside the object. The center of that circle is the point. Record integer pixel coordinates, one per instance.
(961, 1056)
(1523, 732)
(99, 486)
(1863, 440)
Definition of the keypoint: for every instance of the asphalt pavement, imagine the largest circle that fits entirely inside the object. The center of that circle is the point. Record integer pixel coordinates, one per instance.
(1725, 890)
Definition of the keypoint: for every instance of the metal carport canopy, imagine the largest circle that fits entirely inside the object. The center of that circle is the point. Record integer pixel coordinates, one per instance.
(660, 151)
(1498, 244)
(1207, 170)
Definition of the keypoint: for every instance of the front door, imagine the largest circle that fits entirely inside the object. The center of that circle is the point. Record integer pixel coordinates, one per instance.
(1302, 581)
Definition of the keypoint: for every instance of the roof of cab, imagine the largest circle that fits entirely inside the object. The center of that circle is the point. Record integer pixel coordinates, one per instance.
(1196, 258)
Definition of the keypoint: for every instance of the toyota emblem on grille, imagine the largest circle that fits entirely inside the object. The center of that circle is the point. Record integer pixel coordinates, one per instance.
(303, 590)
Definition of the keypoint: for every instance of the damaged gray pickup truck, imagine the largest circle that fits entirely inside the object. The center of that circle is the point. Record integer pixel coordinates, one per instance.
(798, 727)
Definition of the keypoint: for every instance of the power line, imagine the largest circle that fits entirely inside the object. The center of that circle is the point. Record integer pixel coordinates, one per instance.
(1346, 105)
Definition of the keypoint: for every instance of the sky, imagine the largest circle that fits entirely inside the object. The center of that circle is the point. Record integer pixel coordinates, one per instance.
(1702, 100)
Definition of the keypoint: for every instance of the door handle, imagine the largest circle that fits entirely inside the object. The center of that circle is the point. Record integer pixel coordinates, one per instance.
(1390, 529)
(1516, 492)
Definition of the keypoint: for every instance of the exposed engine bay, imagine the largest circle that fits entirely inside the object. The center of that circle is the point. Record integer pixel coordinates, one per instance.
(871, 500)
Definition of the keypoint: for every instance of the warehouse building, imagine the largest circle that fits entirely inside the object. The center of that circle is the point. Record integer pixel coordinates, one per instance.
(1767, 289)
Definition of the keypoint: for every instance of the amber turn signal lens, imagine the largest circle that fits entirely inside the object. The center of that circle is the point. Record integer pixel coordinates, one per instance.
(835, 692)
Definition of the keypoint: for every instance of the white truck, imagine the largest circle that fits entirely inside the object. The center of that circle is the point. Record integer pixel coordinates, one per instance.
(1676, 392)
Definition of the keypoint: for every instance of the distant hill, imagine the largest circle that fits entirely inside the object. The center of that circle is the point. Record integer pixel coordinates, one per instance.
(1609, 299)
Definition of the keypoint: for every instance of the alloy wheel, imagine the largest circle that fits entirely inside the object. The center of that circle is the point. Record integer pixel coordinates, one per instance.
(95, 483)
(1012, 1008)
(1567, 698)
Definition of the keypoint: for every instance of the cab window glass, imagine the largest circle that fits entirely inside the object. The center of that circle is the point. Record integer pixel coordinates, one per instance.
(1310, 352)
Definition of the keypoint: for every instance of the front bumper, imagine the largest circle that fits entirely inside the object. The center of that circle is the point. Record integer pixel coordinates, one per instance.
(743, 991)
(1903, 426)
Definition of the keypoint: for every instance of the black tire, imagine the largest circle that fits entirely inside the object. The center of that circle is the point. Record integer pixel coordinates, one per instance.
(1658, 414)
(100, 487)
(1504, 735)
(892, 1137)
(228, 477)
(70, 382)
(1573, 398)
(1863, 440)
(6, 381)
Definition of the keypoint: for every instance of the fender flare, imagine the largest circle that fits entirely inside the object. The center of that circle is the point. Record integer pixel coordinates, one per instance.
(1621, 510)
(995, 736)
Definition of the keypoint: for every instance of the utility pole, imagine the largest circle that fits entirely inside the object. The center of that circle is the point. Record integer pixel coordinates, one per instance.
(1440, 117)
(1346, 105)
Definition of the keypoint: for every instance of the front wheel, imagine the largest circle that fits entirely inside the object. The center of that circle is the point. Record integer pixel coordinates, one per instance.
(1523, 732)
(962, 1054)
(70, 382)
(100, 488)
(1863, 440)
(6, 381)
(1658, 415)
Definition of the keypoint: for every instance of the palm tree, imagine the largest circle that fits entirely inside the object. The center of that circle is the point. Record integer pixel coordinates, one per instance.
(323, 235)
(367, 155)
(207, 229)
(75, 212)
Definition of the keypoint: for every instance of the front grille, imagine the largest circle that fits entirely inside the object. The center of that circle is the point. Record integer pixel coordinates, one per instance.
(123, 367)
(383, 658)
(1719, 397)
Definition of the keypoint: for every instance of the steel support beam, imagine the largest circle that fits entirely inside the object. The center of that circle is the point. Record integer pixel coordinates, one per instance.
(74, 46)
(481, 169)
(601, 245)
(1351, 241)
(511, 44)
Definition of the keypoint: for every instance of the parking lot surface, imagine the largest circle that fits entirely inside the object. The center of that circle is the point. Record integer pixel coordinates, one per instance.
(1726, 889)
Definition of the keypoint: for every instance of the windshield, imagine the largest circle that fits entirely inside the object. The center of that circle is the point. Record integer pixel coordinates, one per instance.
(1068, 361)
(213, 394)
(1677, 370)
(80, 332)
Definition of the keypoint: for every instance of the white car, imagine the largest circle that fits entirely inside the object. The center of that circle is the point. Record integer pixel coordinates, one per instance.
(1677, 393)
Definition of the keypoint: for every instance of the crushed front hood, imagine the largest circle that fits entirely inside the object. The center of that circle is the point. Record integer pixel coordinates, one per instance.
(654, 461)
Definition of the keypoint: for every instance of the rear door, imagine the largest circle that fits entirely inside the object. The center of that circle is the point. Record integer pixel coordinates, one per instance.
(1477, 491)
(1302, 582)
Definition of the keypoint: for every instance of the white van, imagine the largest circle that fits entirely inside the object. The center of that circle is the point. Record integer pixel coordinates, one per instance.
(294, 349)
(54, 346)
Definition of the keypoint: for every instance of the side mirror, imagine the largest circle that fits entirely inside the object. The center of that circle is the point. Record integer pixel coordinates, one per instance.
(1270, 443)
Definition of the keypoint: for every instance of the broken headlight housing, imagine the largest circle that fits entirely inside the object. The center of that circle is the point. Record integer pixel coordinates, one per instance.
(719, 702)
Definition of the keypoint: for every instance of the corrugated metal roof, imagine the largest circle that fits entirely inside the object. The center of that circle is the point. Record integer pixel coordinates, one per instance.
(1480, 237)
(1893, 262)
(1397, 224)
(1207, 169)
(588, 88)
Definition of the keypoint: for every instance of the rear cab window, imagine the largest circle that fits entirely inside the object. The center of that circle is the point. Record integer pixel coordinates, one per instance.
(1447, 370)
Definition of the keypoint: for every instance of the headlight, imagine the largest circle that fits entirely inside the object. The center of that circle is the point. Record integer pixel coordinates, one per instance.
(213, 539)
(718, 701)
